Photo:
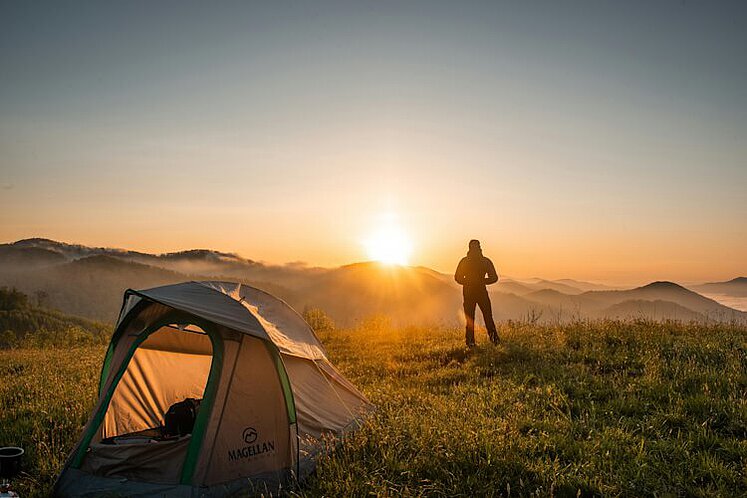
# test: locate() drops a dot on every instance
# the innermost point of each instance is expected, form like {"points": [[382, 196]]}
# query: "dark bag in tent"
{"points": [[180, 417]]}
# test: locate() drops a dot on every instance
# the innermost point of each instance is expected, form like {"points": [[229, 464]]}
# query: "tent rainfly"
{"points": [[265, 398]]}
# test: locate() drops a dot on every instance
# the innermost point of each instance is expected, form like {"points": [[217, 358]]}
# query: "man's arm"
{"points": [[492, 274], [459, 273]]}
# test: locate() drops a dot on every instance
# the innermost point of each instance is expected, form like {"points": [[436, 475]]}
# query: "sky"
{"points": [[594, 140]]}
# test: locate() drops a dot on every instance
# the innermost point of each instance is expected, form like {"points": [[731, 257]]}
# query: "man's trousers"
{"points": [[471, 300]]}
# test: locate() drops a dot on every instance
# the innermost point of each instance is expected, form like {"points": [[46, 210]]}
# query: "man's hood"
{"points": [[474, 253]]}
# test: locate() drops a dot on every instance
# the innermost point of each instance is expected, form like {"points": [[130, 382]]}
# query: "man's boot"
{"points": [[469, 337]]}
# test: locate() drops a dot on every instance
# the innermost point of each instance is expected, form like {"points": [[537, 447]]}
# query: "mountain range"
{"points": [[89, 282]]}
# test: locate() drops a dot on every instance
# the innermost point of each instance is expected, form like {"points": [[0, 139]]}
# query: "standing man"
{"points": [[474, 273]]}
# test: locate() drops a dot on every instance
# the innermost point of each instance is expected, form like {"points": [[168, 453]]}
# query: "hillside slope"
{"points": [[22, 322], [656, 310], [91, 286], [353, 292]]}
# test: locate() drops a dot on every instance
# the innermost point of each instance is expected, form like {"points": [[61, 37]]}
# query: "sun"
{"points": [[389, 244]]}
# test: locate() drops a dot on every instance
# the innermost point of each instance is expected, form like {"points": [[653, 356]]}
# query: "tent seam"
{"points": [[288, 306]]}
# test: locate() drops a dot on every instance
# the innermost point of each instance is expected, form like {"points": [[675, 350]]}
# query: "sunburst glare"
{"points": [[389, 243]]}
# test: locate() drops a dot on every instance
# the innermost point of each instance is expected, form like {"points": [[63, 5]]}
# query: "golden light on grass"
{"points": [[389, 243]]}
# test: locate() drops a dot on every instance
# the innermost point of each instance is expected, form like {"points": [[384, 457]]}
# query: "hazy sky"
{"points": [[599, 140]]}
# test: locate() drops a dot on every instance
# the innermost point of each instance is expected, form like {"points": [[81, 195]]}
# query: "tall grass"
{"points": [[596, 409], [46, 396], [604, 408]]}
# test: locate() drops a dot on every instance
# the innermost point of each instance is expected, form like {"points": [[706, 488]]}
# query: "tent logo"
{"points": [[249, 435], [252, 447]]}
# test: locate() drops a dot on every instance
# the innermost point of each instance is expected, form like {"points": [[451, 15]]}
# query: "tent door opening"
{"points": [[169, 367], [147, 428]]}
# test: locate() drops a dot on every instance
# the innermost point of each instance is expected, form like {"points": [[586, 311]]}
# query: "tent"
{"points": [[271, 401]]}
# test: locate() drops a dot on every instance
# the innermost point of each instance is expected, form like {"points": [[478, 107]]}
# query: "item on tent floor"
{"points": [[180, 418], [10, 465], [139, 437], [270, 402]]}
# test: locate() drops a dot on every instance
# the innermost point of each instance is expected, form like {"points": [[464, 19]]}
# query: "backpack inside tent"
{"points": [[209, 389]]}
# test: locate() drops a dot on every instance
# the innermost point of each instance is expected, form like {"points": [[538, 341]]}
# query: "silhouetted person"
{"points": [[475, 272]]}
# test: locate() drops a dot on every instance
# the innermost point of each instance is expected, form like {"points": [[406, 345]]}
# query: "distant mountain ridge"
{"points": [[89, 281], [198, 262], [671, 292], [77, 251], [736, 287]]}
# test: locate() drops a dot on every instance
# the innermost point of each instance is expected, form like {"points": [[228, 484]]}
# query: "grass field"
{"points": [[606, 408]]}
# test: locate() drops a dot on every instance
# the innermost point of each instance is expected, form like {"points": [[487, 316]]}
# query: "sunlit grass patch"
{"points": [[596, 408]]}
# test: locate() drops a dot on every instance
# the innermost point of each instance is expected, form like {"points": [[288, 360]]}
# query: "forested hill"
{"points": [[24, 324]]}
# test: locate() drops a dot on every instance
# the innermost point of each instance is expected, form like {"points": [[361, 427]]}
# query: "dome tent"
{"points": [[270, 398]]}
